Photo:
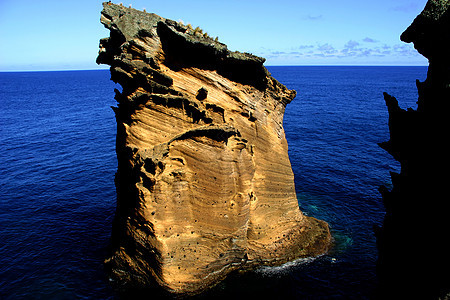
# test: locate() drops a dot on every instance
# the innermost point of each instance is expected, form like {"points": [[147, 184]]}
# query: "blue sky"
{"points": [[64, 35]]}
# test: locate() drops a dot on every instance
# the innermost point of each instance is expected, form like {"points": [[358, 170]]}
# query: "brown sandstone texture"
{"points": [[204, 181], [414, 240]]}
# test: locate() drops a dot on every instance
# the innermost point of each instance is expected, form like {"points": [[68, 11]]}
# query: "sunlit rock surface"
{"points": [[204, 181]]}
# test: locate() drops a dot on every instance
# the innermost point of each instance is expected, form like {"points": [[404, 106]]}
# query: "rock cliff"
{"points": [[413, 242], [204, 181]]}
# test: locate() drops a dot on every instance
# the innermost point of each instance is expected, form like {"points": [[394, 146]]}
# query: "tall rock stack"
{"points": [[413, 243], [204, 182]]}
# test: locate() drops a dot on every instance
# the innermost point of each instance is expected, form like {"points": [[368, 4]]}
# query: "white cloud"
{"points": [[326, 49], [369, 40], [313, 17], [353, 52]]}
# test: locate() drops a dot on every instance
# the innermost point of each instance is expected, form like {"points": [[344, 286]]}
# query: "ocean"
{"points": [[57, 194]]}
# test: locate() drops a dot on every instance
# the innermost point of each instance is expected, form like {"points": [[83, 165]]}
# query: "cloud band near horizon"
{"points": [[352, 52]]}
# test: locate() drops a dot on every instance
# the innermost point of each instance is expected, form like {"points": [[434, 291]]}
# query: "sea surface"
{"points": [[57, 194]]}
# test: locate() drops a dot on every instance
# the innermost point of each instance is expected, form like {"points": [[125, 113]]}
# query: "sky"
{"points": [[64, 35]]}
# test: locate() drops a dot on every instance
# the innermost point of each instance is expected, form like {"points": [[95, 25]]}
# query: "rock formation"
{"points": [[204, 181], [413, 242]]}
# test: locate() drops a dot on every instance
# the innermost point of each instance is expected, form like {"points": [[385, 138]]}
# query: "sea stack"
{"points": [[204, 182], [414, 240]]}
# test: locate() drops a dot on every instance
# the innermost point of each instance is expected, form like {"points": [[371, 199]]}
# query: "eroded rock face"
{"points": [[413, 242], [204, 182]]}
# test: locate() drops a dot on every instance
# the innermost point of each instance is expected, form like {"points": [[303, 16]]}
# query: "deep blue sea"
{"points": [[57, 194]]}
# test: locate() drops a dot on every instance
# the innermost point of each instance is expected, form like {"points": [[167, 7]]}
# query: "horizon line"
{"points": [[305, 65]]}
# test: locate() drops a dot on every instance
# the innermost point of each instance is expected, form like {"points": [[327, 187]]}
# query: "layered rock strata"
{"points": [[204, 181], [414, 240]]}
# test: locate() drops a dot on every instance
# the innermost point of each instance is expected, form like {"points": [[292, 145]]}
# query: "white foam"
{"points": [[284, 268]]}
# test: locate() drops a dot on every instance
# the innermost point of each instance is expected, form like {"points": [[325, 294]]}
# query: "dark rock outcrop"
{"points": [[204, 182], [413, 242]]}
